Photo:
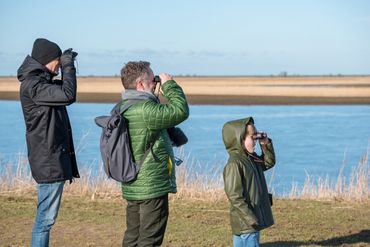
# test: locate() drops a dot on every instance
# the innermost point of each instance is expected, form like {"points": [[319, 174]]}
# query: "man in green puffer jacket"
{"points": [[148, 121], [244, 180]]}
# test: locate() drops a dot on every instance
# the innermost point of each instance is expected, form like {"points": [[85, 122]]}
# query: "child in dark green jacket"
{"points": [[244, 180]]}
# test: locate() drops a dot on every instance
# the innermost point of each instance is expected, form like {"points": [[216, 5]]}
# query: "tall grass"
{"points": [[356, 187], [198, 181], [17, 179], [195, 181], [192, 182]]}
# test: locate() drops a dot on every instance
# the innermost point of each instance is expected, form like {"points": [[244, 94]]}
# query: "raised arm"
{"points": [[61, 92], [268, 154], [163, 116]]}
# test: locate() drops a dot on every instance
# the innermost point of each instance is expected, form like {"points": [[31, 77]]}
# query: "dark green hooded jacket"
{"points": [[244, 181]]}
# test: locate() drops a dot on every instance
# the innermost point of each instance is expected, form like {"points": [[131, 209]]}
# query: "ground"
{"points": [[84, 222]]}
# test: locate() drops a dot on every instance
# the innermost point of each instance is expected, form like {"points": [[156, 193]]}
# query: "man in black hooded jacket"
{"points": [[48, 130]]}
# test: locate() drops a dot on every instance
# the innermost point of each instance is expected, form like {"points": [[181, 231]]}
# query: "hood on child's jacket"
{"points": [[233, 134]]}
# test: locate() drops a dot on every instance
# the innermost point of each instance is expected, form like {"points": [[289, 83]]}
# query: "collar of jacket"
{"points": [[254, 157], [130, 94]]}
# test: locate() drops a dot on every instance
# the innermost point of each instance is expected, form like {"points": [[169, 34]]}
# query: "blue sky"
{"points": [[209, 37]]}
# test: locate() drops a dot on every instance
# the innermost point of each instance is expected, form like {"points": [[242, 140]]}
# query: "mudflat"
{"points": [[229, 90]]}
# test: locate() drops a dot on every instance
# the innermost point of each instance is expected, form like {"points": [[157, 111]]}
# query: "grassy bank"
{"points": [[323, 212], [83, 222]]}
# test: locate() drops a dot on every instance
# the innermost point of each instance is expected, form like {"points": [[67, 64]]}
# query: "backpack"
{"points": [[115, 146]]}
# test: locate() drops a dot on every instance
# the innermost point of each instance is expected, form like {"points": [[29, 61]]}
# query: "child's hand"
{"points": [[264, 140]]}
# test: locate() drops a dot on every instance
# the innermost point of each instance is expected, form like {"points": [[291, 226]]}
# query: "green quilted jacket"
{"points": [[244, 181], [146, 121]]}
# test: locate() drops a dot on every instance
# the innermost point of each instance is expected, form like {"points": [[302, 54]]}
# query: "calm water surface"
{"points": [[313, 140]]}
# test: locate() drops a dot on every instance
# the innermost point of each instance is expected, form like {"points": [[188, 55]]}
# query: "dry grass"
{"points": [[195, 182], [191, 184], [352, 188]]}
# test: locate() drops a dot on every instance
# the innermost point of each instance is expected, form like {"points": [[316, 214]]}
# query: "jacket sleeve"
{"points": [[235, 193], [163, 116], [60, 93], [268, 155]]}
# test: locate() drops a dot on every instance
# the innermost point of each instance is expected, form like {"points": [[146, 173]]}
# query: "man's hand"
{"points": [[165, 77], [68, 58]]}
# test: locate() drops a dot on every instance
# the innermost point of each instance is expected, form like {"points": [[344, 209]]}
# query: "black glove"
{"points": [[67, 58]]}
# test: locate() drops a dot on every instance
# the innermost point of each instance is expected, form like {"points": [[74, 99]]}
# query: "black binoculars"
{"points": [[177, 136], [156, 79], [259, 135]]}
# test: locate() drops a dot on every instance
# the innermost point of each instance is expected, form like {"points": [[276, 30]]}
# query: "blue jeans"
{"points": [[247, 240], [49, 197]]}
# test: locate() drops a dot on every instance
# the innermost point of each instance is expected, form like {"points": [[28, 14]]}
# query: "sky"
{"points": [[194, 37]]}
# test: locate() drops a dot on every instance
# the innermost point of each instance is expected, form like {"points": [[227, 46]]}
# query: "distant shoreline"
{"points": [[231, 90], [222, 99]]}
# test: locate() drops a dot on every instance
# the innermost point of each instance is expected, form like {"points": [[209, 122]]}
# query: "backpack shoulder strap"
{"points": [[126, 106], [150, 149], [117, 108]]}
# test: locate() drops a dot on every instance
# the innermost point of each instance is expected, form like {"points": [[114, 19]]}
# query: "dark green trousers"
{"points": [[146, 222]]}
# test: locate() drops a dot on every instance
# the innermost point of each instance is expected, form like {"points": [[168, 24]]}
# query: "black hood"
{"points": [[30, 67]]}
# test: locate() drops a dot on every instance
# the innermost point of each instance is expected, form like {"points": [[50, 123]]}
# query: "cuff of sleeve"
{"points": [[168, 84], [267, 145]]}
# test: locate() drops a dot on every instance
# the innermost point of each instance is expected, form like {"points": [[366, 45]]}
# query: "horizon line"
{"points": [[241, 75]]}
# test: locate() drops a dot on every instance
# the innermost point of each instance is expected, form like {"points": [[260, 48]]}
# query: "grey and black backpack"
{"points": [[115, 145]]}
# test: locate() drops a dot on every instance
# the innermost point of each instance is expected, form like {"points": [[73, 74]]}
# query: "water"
{"points": [[311, 140]]}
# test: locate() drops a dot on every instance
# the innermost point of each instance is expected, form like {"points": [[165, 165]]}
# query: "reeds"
{"points": [[356, 187], [195, 181], [17, 179], [191, 183], [199, 182]]}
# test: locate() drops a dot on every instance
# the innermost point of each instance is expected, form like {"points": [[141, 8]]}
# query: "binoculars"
{"points": [[177, 136], [156, 79], [259, 135]]}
